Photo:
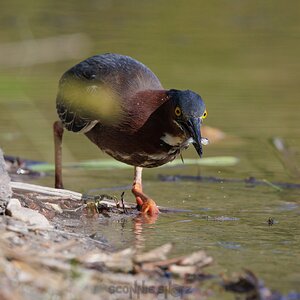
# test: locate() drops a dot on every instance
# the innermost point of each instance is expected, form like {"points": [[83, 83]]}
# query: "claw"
{"points": [[149, 207], [145, 204]]}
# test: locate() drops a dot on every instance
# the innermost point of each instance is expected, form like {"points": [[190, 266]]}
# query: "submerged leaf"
{"points": [[217, 161]]}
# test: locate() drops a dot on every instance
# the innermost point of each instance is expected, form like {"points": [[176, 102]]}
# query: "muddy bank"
{"points": [[42, 261]]}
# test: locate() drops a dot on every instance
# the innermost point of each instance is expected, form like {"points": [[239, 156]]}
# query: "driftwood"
{"points": [[17, 186]]}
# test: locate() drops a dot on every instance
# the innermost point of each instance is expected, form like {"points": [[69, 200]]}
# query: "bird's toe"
{"points": [[149, 207]]}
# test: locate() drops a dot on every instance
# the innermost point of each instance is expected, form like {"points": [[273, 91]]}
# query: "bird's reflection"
{"points": [[139, 223]]}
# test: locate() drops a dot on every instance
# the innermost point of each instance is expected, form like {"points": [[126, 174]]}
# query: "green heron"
{"points": [[121, 106]]}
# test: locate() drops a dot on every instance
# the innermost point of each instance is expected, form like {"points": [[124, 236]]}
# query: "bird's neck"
{"points": [[143, 104], [159, 118], [153, 98]]}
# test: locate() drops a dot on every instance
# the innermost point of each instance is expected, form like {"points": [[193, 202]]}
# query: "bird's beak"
{"points": [[193, 127]]}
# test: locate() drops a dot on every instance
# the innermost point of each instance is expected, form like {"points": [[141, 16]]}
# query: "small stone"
{"points": [[30, 216]]}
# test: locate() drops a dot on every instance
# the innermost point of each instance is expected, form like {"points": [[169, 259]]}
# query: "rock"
{"points": [[159, 253], [30, 216], [5, 189], [121, 261], [199, 258]]}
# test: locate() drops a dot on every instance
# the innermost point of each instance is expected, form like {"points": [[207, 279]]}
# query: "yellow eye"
{"points": [[177, 111], [204, 115]]}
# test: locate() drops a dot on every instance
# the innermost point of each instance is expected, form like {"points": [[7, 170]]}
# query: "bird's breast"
{"points": [[148, 148], [173, 140]]}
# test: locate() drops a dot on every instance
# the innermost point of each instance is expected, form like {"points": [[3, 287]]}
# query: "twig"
{"points": [[287, 156], [277, 188], [122, 201]]}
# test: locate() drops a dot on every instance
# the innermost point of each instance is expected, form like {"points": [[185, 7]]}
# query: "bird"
{"points": [[120, 105]]}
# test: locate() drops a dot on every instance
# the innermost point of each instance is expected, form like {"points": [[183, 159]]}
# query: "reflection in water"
{"points": [[130, 229], [138, 223], [139, 239]]}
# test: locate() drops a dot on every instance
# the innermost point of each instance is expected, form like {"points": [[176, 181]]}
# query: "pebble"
{"points": [[30, 216]]}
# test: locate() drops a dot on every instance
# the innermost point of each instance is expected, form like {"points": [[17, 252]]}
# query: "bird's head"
{"points": [[188, 112]]}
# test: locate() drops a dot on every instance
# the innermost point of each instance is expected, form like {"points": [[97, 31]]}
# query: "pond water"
{"points": [[241, 56]]}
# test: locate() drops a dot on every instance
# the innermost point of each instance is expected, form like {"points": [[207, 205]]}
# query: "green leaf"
{"points": [[217, 161]]}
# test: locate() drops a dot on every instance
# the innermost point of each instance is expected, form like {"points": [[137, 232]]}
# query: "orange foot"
{"points": [[148, 207], [145, 204]]}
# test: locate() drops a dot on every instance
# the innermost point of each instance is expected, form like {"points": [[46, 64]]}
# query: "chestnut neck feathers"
{"points": [[142, 107]]}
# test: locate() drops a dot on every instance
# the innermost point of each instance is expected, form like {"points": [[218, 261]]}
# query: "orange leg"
{"points": [[145, 204], [58, 131]]}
